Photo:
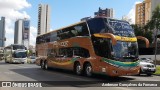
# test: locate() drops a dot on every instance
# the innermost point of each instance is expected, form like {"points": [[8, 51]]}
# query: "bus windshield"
{"points": [[122, 51], [120, 28], [15, 47], [125, 51], [20, 55]]}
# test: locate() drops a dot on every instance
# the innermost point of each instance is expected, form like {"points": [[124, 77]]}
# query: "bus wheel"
{"points": [[42, 64], [78, 69], [88, 70], [46, 65]]}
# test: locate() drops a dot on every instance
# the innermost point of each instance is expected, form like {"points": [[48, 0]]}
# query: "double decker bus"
{"points": [[98, 45], [1, 53], [15, 53]]}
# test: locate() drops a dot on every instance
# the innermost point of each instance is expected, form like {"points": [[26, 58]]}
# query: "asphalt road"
{"points": [[32, 72]]}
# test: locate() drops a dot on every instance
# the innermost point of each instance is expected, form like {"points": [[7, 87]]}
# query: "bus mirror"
{"points": [[107, 35], [145, 39]]}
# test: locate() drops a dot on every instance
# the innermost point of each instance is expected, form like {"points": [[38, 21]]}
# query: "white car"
{"points": [[32, 59], [146, 60], [147, 68]]}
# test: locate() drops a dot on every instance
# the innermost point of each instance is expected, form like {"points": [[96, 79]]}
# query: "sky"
{"points": [[63, 12]]}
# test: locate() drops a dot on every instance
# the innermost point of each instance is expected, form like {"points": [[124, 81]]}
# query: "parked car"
{"points": [[32, 59], [147, 68], [146, 60], [1, 56]]}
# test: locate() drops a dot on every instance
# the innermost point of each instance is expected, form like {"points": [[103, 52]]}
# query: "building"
{"points": [[144, 11], [2, 32], [22, 32], [106, 12], [43, 19]]}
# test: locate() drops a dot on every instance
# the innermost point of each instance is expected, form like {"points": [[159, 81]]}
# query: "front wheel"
{"points": [[88, 70], [46, 65]]}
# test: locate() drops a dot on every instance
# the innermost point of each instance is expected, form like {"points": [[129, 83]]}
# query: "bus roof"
{"points": [[62, 28], [78, 23], [14, 45]]}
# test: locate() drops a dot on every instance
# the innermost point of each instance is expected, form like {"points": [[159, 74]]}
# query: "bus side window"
{"points": [[81, 29], [82, 52], [51, 53]]}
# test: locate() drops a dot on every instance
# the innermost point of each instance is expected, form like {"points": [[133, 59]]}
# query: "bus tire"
{"points": [[77, 68], [45, 65], [88, 70], [42, 64]]}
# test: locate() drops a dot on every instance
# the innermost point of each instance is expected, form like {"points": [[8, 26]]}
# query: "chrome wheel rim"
{"points": [[88, 71], [42, 66], [78, 69], [46, 66]]}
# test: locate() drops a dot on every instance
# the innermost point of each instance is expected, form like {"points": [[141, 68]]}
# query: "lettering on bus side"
{"points": [[64, 44]]}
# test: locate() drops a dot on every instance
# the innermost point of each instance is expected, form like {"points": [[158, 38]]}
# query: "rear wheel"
{"points": [[78, 69], [88, 70], [42, 64]]}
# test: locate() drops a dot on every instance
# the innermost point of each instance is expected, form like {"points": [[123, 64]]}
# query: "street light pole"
{"points": [[156, 47], [157, 27]]}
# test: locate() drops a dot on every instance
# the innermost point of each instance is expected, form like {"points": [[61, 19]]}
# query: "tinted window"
{"points": [[102, 47], [40, 39], [121, 28], [47, 37], [73, 31], [19, 54], [15, 47], [82, 52], [53, 36], [96, 25], [69, 52]]}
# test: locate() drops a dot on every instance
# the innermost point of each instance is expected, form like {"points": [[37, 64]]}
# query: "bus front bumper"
{"points": [[19, 60], [115, 71]]}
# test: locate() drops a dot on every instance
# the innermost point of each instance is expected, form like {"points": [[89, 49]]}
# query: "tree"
{"points": [[140, 31], [154, 23]]}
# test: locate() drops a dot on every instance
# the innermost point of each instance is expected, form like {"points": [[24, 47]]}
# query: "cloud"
{"points": [[12, 10], [131, 15], [14, 4], [33, 34]]}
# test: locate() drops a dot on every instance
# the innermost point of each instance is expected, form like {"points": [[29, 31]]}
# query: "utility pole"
{"points": [[156, 47], [157, 28]]}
